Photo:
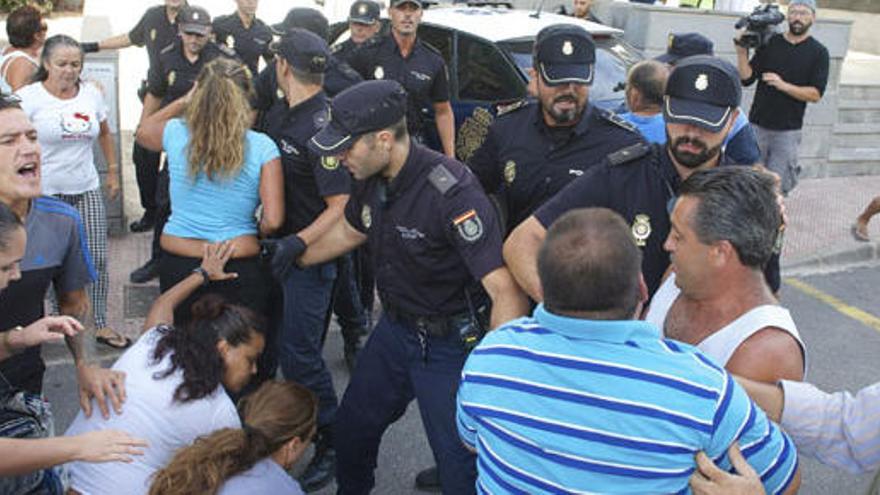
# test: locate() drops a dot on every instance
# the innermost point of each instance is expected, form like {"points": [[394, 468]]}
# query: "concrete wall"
{"points": [[647, 28], [855, 5]]}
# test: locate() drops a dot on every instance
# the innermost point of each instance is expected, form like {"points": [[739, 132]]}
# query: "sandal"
{"points": [[115, 340], [859, 234]]}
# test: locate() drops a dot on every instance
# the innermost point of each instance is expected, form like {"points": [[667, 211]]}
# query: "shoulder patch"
{"points": [[510, 107], [629, 153], [441, 178], [617, 120]]}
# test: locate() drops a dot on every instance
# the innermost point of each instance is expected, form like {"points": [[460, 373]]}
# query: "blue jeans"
{"points": [[307, 295], [391, 371]]}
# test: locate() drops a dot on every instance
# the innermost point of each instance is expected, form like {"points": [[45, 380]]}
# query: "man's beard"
{"points": [[798, 28], [565, 116], [688, 159]]}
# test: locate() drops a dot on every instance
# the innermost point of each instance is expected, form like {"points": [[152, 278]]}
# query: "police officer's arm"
{"points": [[115, 42], [444, 119], [325, 221], [521, 255], [339, 239]]}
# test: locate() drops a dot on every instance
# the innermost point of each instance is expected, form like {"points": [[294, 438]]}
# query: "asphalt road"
{"points": [[842, 354]]}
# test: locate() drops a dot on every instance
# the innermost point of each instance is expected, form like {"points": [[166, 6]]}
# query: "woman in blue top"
{"points": [[220, 172]]}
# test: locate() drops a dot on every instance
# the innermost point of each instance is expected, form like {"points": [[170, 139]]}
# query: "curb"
{"points": [[865, 253]]}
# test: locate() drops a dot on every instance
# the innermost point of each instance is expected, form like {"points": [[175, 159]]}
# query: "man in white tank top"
{"points": [[724, 228]]}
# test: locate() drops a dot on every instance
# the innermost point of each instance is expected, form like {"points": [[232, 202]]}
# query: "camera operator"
{"points": [[792, 70]]}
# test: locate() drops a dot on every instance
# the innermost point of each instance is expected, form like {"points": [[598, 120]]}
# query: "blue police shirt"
{"points": [[563, 405], [422, 74], [527, 162], [432, 233], [308, 178]]}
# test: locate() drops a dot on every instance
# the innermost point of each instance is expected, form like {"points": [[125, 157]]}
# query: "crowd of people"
{"points": [[553, 305]]}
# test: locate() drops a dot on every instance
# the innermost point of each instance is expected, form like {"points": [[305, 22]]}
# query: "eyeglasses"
{"points": [[800, 12]]}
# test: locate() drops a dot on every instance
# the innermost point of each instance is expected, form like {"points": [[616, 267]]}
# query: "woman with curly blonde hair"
{"points": [[220, 172], [278, 423]]}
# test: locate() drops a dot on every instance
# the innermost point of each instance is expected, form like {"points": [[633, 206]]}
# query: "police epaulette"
{"points": [[167, 48], [225, 50], [618, 120], [510, 107], [441, 178], [628, 154]]}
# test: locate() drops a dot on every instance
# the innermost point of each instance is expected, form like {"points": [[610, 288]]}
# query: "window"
{"points": [[484, 74]]}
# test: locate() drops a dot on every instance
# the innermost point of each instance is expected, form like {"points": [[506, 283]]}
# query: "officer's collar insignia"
{"points": [[152, 35], [230, 41], [329, 163], [362, 9], [172, 76], [320, 118], [469, 226], [366, 216], [379, 72], [196, 16], [641, 229], [567, 48], [279, 94], [288, 148], [509, 171], [670, 41], [702, 82]]}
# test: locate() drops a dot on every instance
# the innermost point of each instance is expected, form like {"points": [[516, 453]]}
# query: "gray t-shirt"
{"points": [[265, 477]]}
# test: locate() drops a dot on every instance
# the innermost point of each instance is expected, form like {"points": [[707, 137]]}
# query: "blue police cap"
{"points": [[703, 91], [194, 20], [681, 45], [365, 107], [364, 12], [304, 18], [303, 50], [565, 53]]}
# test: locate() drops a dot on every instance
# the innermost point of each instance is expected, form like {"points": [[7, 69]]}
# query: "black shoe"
{"points": [[147, 272], [428, 480], [321, 470], [143, 224]]}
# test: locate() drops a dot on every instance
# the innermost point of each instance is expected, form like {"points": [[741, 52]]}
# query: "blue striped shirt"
{"points": [[560, 405]]}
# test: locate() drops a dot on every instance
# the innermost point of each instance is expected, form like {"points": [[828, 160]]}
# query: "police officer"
{"points": [[363, 24], [640, 182], [401, 56], [170, 78], [156, 29], [315, 192], [242, 32], [435, 240], [534, 150]]}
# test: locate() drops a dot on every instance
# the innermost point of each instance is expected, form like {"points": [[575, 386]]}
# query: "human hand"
{"points": [[282, 254], [708, 479], [214, 260], [112, 184], [48, 329], [102, 384], [108, 446], [773, 79]]}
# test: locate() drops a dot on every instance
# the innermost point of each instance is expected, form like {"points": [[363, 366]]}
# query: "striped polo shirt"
{"points": [[561, 405]]}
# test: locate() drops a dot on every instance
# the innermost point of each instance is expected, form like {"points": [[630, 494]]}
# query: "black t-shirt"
{"points": [[308, 178], [249, 43], [154, 31], [803, 64]]}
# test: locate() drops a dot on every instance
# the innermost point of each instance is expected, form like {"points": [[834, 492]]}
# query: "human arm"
{"points": [[22, 456], [105, 139], [115, 42], [444, 120], [746, 73], [768, 396], [521, 256], [44, 330], [808, 94], [151, 129], [768, 355], [339, 239], [508, 300], [271, 196], [213, 262], [20, 72]]}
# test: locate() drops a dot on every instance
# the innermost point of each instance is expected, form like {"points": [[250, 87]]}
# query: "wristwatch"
{"points": [[204, 273]]}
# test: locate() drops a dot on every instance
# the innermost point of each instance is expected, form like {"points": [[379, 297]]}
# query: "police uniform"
{"points": [[423, 74], [175, 75], [344, 51], [527, 162], [249, 43], [433, 235]]}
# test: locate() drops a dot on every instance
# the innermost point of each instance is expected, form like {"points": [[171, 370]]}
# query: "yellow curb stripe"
{"points": [[857, 314]]}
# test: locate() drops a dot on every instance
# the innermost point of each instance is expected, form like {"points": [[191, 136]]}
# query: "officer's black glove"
{"points": [[90, 47], [282, 254]]}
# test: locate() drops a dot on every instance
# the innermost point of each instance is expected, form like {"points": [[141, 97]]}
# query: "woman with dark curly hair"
{"points": [[177, 379], [278, 424]]}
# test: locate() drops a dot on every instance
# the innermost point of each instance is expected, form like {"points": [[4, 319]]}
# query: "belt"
{"points": [[433, 325]]}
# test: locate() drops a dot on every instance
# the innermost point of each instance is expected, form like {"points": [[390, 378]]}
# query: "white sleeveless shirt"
{"points": [[721, 345], [6, 61]]}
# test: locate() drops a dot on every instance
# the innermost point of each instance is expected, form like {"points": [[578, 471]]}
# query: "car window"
{"points": [[484, 74]]}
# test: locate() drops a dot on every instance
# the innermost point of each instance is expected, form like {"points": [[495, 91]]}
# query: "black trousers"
{"points": [[146, 168], [163, 210]]}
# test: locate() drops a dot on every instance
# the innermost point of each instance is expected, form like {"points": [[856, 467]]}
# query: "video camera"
{"points": [[759, 24]]}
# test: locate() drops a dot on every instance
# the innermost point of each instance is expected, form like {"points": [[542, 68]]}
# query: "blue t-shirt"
{"points": [[213, 209], [653, 128], [265, 477]]}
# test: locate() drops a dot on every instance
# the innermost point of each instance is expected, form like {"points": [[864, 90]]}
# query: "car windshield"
{"points": [[613, 59]]}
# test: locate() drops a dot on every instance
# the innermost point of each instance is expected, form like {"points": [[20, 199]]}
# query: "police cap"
{"points": [[304, 18], [565, 53], [703, 91], [364, 12], [194, 20], [365, 107], [398, 3], [303, 50], [682, 45]]}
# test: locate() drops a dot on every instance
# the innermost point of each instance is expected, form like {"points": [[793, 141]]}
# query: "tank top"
{"points": [[5, 61]]}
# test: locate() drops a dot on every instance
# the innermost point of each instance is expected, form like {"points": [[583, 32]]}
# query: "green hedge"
{"points": [[7, 6]]}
